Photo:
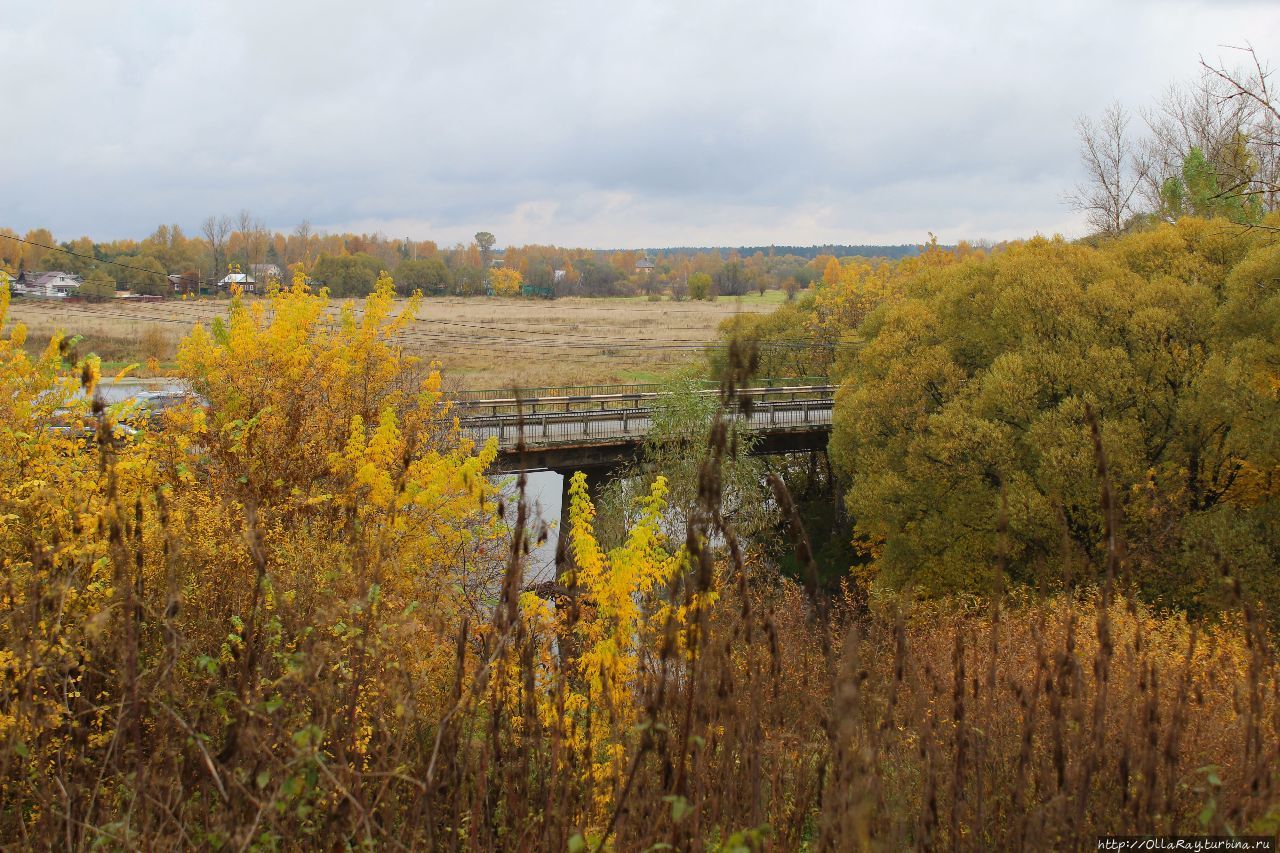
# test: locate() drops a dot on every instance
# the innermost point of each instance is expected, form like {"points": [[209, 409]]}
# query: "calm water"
{"points": [[543, 492], [126, 389]]}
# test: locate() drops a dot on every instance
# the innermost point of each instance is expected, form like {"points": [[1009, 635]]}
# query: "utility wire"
{"points": [[567, 335], [86, 257], [566, 341]]}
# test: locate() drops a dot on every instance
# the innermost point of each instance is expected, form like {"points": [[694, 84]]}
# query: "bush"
{"points": [[700, 286], [295, 617], [155, 345]]}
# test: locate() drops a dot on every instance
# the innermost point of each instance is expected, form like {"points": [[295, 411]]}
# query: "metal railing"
{"points": [[573, 427], [485, 395], [633, 397]]}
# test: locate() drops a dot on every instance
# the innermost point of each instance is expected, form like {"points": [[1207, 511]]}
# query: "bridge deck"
{"points": [[561, 433]]}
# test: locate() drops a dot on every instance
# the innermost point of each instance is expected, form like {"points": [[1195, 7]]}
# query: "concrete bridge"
{"points": [[598, 429]]}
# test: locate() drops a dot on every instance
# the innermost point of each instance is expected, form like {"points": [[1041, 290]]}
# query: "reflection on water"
{"points": [[543, 491], [114, 391]]}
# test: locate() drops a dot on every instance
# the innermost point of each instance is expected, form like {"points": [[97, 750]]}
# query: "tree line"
{"points": [[349, 264]]}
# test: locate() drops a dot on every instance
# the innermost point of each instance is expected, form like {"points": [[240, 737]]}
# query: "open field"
{"points": [[480, 342]]}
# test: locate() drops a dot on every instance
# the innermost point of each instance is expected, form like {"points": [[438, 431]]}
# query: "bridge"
{"points": [[597, 429]]}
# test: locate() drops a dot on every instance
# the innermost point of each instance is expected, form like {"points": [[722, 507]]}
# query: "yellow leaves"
{"points": [[831, 272], [344, 441], [625, 614], [317, 483], [372, 458], [505, 281], [387, 443], [1255, 485]]}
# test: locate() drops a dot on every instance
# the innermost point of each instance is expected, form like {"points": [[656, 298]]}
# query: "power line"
{"points": [[487, 328], [82, 255], [622, 345], [500, 344]]}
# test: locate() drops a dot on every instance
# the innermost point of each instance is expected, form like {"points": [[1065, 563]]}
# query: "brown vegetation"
{"points": [[491, 343], [275, 625]]}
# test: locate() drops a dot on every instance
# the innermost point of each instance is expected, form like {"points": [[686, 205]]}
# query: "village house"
{"points": [[246, 282], [265, 272], [644, 266], [52, 284]]}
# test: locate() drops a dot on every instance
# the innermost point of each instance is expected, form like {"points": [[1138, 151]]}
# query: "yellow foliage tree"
{"points": [[311, 526], [831, 272], [623, 614], [505, 281]]}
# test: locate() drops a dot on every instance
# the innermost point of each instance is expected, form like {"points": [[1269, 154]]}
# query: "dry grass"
{"points": [[773, 717], [512, 342], [481, 343]]}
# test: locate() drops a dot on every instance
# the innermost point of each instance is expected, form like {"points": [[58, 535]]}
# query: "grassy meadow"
{"points": [[479, 342]]}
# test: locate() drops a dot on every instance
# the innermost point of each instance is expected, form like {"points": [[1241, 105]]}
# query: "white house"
{"points": [[47, 285], [247, 282], [265, 272]]}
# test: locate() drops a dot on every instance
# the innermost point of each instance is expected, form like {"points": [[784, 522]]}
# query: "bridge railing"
{"points": [[551, 428], [575, 391], [633, 397]]}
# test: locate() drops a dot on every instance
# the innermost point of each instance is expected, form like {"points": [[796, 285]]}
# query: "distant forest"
{"points": [[171, 262], [892, 253]]}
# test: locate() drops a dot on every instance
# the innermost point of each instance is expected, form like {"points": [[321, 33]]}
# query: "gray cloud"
{"points": [[579, 122]]}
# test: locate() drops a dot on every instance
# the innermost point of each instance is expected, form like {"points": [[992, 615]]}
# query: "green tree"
{"points": [[429, 275], [98, 286], [971, 390], [732, 279], [675, 447], [347, 275], [485, 241], [143, 274], [467, 280], [599, 278], [700, 286], [1198, 191]]}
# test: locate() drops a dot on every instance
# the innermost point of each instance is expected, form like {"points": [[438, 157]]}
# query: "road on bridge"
{"points": [[568, 431]]}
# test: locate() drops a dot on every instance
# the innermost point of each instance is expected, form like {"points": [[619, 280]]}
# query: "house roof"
{"points": [[237, 278], [36, 278]]}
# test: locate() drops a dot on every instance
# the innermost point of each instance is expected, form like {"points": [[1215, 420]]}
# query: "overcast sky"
{"points": [[606, 124]]}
